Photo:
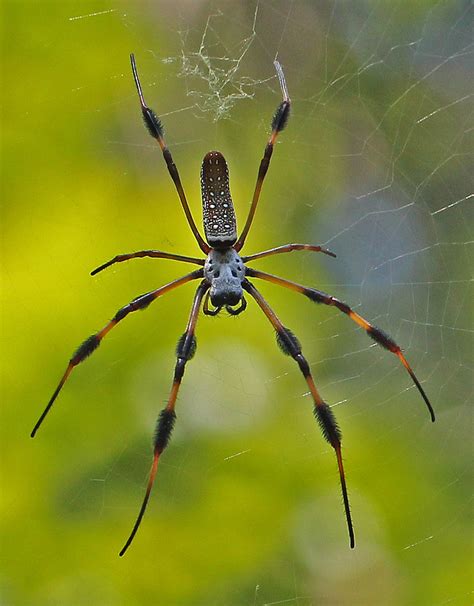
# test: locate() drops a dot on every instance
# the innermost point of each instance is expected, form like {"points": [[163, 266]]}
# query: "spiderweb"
{"points": [[214, 81], [375, 165]]}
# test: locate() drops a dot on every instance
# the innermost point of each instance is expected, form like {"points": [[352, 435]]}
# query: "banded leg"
{"points": [[290, 346], [156, 254], [279, 122], [286, 248], [155, 128], [93, 342], [377, 334], [185, 350]]}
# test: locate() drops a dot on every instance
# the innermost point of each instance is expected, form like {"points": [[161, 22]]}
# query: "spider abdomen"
{"points": [[217, 208]]}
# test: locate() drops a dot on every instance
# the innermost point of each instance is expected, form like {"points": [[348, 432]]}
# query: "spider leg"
{"points": [[157, 254], [377, 334], [155, 128], [278, 124], [185, 350], [290, 345], [93, 342], [285, 249]]}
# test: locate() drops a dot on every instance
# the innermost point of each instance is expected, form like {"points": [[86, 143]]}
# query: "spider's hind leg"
{"points": [[279, 122]]}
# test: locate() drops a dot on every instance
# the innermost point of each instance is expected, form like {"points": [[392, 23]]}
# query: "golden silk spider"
{"points": [[224, 276]]}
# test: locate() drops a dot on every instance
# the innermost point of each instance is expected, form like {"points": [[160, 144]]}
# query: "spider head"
{"points": [[224, 270]]}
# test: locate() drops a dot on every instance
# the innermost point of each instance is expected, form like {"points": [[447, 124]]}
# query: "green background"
{"points": [[374, 164]]}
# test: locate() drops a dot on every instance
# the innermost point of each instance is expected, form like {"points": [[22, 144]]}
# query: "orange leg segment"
{"points": [[93, 342], [377, 334], [290, 345], [184, 352]]}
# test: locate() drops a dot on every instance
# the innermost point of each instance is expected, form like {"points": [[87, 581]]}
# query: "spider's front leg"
{"points": [[93, 342], [377, 334], [290, 345], [184, 352]]}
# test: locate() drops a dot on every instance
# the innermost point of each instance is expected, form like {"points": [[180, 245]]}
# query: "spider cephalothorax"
{"points": [[225, 272], [224, 276]]}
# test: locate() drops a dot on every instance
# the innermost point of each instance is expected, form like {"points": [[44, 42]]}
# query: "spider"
{"points": [[224, 278]]}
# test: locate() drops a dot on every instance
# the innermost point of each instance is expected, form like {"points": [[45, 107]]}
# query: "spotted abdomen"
{"points": [[217, 208]]}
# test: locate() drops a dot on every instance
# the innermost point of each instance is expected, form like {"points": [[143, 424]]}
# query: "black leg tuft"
{"points": [[327, 422], [164, 427], [186, 347], [288, 342], [280, 119], [152, 123], [85, 349], [382, 338]]}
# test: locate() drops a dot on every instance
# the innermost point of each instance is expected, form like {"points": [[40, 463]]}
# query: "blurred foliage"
{"points": [[246, 508]]}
